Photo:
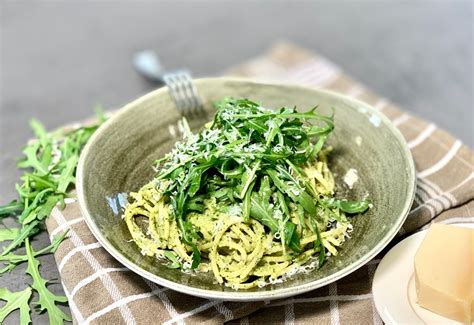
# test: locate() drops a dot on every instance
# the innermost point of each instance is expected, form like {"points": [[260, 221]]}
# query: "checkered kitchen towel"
{"points": [[100, 290]]}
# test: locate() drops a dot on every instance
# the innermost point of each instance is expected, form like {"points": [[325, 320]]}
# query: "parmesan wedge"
{"points": [[444, 272]]}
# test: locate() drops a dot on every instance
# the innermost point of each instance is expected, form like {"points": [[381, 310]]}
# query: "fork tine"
{"points": [[193, 95], [172, 83], [184, 80], [183, 92]]}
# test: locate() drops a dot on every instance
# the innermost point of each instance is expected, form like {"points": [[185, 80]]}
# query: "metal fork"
{"points": [[179, 82]]}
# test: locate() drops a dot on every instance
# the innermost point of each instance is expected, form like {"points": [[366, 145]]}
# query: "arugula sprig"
{"points": [[50, 162], [47, 300], [52, 159], [16, 300], [248, 156]]}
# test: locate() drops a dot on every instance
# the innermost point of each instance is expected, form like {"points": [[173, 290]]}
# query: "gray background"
{"points": [[60, 59]]}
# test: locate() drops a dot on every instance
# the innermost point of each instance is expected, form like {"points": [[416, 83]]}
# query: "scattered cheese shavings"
{"points": [[351, 177]]}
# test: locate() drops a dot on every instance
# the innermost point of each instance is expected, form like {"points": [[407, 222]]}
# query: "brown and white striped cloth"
{"points": [[101, 290]]}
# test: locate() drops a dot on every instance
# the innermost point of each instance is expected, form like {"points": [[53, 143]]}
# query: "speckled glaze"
{"points": [[119, 157]]}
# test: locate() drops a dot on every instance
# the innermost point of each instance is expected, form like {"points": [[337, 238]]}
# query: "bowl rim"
{"points": [[246, 295]]}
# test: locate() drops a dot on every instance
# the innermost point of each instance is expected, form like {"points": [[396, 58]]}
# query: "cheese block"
{"points": [[444, 273]]}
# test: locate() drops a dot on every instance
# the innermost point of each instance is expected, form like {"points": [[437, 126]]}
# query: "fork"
{"points": [[180, 84]]}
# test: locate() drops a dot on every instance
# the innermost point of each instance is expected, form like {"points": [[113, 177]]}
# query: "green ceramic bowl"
{"points": [[119, 157]]}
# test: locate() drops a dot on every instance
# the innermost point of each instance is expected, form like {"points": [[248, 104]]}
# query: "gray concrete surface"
{"points": [[59, 59]]}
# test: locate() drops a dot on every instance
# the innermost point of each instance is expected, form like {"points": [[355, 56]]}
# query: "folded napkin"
{"points": [[101, 290]]}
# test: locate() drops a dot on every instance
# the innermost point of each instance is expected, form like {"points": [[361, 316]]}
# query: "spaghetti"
{"points": [[245, 240]]}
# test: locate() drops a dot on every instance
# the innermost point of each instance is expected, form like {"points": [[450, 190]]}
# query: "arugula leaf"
{"points": [[196, 256], [174, 262], [354, 206], [31, 159], [347, 206], [247, 202], [67, 175], [196, 204], [262, 211], [300, 212], [47, 207], [292, 239], [297, 194], [247, 179], [40, 132], [47, 300], [11, 208], [25, 232], [283, 205], [16, 300], [194, 177], [13, 259], [8, 233], [319, 242], [25, 215]]}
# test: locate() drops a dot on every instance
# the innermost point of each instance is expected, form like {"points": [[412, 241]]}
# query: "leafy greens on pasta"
{"points": [[249, 198]]}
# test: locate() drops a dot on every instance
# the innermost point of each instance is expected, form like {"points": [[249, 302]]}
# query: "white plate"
{"points": [[393, 287]]}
